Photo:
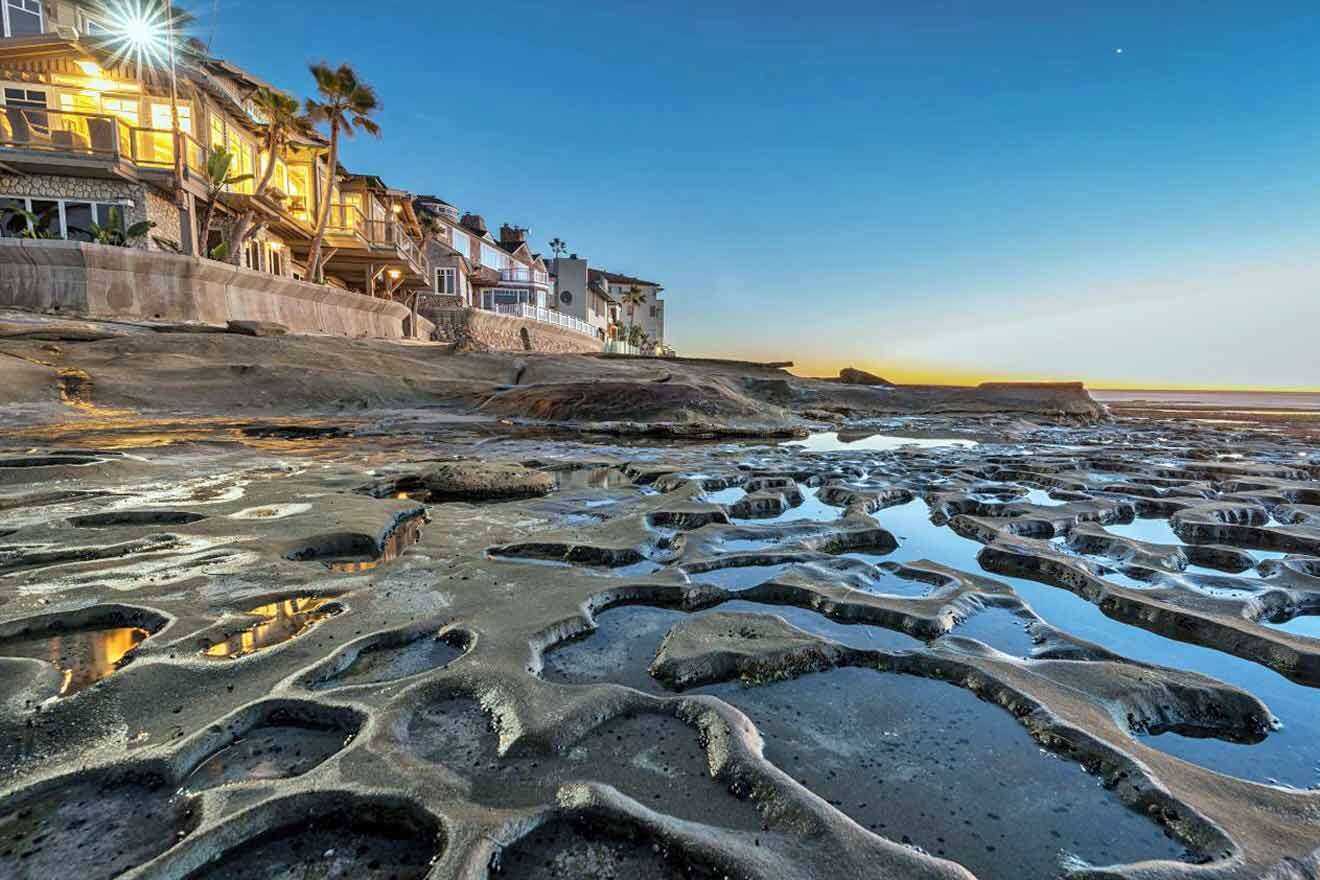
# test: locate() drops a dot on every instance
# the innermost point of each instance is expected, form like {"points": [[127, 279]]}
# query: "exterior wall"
{"points": [[165, 214], [571, 279], [443, 257], [652, 325], [475, 330], [75, 278]]}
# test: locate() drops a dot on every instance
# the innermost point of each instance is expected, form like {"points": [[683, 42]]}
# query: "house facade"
{"points": [[499, 273], [81, 135], [649, 314]]}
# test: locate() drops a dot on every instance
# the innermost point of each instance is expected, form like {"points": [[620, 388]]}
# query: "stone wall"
{"points": [[140, 203], [476, 330], [75, 278]]}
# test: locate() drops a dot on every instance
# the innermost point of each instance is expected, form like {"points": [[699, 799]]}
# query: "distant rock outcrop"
{"points": [[852, 376]]}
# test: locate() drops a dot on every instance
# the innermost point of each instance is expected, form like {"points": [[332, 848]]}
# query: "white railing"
{"points": [[546, 316], [618, 346], [523, 275]]}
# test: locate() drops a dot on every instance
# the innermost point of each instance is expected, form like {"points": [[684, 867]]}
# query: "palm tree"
{"points": [[346, 105], [632, 299], [557, 247], [284, 121], [218, 179]]}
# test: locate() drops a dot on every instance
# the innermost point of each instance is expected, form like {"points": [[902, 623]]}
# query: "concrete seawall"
{"points": [[76, 278]]}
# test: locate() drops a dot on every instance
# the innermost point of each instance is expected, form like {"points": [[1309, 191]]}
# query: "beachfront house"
{"points": [[476, 269], [81, 134], [649, 314]]}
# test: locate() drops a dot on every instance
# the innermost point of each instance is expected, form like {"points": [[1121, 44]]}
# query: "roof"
{"points": [[432, 199], [616, 278]]}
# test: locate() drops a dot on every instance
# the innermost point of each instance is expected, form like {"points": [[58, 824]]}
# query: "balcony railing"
{"points": [[96, 136], [524, 275], [618, 346], [547, 316], [347, 220], [391, 234]]}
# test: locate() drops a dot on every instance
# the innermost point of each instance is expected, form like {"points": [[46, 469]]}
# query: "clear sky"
{"points": [[930, 189]]}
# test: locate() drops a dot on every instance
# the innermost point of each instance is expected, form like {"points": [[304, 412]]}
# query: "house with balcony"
{"points": [[373, 240], [80, 135], [475, 269], [579, 293]]}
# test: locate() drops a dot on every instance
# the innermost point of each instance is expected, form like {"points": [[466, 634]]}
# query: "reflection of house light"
{"points": [[277, 245], [394, 273], [398, 209], [91, 68]]}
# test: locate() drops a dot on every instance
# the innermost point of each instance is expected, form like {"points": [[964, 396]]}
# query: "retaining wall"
{"points": [[477, 330], [76, 278]]}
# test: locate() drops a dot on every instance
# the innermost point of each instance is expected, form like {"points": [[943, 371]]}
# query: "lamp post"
{"points": [[135, 31], [180, 197]]}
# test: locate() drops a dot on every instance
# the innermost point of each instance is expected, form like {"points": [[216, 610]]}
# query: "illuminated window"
{"points": [[125, 108], [162, 118]]}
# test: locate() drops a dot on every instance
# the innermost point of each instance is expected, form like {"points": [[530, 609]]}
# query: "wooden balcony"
{"points": [[39, 141]]}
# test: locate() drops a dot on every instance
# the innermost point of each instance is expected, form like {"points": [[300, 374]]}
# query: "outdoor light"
{"points": [[91, 68], [394, 273]]}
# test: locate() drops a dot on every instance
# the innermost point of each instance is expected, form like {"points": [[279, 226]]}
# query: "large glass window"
{"points": [[492, 257], [59, 217], [78, 220], [22, 17]]}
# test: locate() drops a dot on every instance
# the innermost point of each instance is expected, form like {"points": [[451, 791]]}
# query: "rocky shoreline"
{"points": [[267, 603]]}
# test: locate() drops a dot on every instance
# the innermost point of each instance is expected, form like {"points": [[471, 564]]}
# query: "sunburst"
{"points": [[138, 32]]}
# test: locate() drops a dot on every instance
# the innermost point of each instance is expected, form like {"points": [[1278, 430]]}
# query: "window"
{"points": [[252, 255], [492, 257], [504, 296], [125, 108], [461, 243], [78, 220], [162, 117], [22, 17], [217, 131], [275, 259], [446, 281], [26, 106], [62, 217], [90, 26], [652, 311]]}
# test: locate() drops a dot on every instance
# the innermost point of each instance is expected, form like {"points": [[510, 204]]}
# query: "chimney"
{"points": [[474, 222], [513, 234]]}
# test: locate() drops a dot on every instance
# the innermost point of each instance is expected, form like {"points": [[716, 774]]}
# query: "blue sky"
{"points": [[930, 189]]}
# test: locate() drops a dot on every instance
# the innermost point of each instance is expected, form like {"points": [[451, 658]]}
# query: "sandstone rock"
{"points": [[257, 328], [851, 376], [483, 481], [56, 331]]}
